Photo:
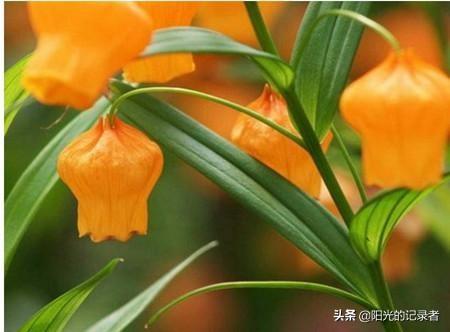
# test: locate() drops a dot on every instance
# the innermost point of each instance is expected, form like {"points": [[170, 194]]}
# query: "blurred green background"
{"points": [[187, 211]]}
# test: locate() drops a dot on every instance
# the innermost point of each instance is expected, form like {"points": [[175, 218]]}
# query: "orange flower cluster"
{"points": [[76, 57], [111, 171], [401, 110], [272, 148]]}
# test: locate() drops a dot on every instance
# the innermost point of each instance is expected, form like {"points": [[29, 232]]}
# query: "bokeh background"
{"points": [[188, 211]]}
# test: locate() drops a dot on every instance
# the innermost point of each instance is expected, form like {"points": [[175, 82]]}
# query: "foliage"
{"points": [[55, 315], [374, 223]]}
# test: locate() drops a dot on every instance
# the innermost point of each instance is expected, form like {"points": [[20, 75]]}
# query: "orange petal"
{"points": [[272, 148], [164, 67], [159, 68], [400, 109], [80, 46], [111, 172]]}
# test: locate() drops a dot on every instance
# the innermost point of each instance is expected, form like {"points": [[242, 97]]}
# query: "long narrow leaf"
{"points": [[291, 285], [291, 212], [55, 315], [37, 180], [198, 40], [373, 224], [122, 317], [14, 92], [322, 72]]}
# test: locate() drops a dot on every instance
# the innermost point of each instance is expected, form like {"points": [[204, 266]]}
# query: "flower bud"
{"points": [[400, 108], [274, 149], [111, 170]]}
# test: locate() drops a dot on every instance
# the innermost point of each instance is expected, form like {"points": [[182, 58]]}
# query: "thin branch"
{"points": [[282, 130]]}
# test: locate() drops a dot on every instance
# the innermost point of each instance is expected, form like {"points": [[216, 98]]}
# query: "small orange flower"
{"points": [[76, 57], [400, 109], [272, 148], [111, 171], [164, 67], [80, 46]]}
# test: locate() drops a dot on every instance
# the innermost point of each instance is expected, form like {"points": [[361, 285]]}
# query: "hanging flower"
{"points": [[80, 46], [111, 171], [272, 148], [400, 109], [76, 57], [164, 67]]}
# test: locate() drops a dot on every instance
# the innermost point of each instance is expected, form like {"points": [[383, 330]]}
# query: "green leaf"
{"points": [[291, 285], [198, 40], [15, 95], [291, 212], [55, 315], [37, 180], [373, 224], [322, 72], [122, 317]]}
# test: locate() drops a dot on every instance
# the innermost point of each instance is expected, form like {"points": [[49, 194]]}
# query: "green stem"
{"points": [[282, 130], [351, 166], [308, 286], [263, 35], [383, 295], [378, 28], [315, 150]]}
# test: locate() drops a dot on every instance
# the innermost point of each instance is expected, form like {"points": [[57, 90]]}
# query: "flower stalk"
{"points": [[242, 109]]}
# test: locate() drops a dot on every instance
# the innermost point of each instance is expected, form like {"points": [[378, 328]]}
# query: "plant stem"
{"points": [[282, 130], [351, 166], [315, 150], [383, 295], [263, 35]]}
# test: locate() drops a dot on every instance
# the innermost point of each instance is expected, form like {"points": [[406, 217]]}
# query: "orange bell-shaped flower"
{"points": [[272, 148], [80, 46], [111, 171], [163, 67], [401, 110]]}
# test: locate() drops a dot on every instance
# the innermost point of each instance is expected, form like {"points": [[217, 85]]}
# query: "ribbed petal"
{"points": [[401, 110], [111, 172]]}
